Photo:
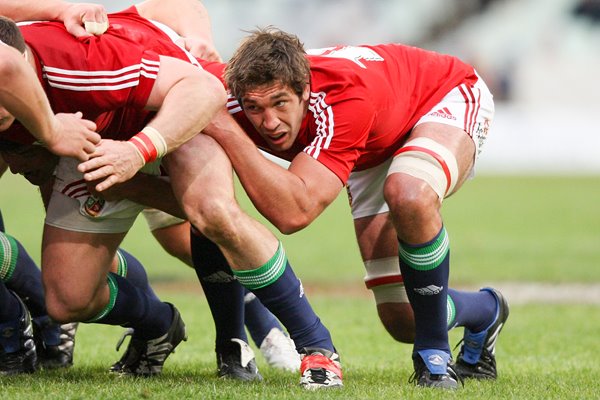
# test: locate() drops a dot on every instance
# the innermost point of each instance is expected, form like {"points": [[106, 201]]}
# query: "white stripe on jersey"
{"points": [[323, 115], [233, 106], [74, 72], [127, 77], [77, 80], [93, 88]]}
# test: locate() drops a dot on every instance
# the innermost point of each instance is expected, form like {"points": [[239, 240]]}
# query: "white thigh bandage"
{"points": [[428, 160], [157, 219], [384, 279]]}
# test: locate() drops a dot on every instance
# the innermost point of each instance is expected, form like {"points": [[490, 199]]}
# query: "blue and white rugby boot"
{"points": [[477, 356]]}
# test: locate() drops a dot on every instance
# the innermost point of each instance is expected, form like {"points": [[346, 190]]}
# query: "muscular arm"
{"points": [[72, 14], [186, 99], [189, 19], [23, 10], [290, 199], [186, 17], [22, 96]]}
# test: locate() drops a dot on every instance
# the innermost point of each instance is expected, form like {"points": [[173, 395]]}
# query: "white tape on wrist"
{"points": [[157, 140], [139, 153], [95, 28]]}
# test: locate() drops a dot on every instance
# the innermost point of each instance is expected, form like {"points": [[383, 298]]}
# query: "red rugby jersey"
{"points": [[100, 75], [364, 101]]}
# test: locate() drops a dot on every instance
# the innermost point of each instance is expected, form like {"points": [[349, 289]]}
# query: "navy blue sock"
{"points": [[425, 269], [132, 269], [471, 309], [26, 282], [10, 309], [223, 292], [278, 288], [259, 320], [21, 275], [130, 306]]}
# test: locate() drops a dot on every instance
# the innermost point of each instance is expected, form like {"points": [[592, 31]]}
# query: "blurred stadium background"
{"points": [[540, 58]]}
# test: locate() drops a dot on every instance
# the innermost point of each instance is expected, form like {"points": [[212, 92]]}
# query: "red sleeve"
{"points": [[341, 131]]}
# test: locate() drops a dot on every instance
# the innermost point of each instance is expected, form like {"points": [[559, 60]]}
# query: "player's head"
{"points": [[11, 35], [269, 74], [32, 161], [267, 56]]}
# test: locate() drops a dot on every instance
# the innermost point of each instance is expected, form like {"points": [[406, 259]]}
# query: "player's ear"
{"points": [[306, 92]]}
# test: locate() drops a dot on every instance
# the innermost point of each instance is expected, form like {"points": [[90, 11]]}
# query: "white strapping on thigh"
{"points": [[428, 160], [384, 279]]}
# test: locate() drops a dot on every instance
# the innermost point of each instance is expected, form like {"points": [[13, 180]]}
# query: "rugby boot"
{"points": [[434, 368], [55, 343], [279, 351], [146, 357], [477, 356], [320, 369], [238, 362], [17, 346]]}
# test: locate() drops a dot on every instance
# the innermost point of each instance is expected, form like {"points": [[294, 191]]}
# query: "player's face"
{"points": [[34, 162], [276, 112], [6, 119]]}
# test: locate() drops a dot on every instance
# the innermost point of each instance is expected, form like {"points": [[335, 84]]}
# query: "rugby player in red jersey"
{"points": [[133, 65], [401, 128]]}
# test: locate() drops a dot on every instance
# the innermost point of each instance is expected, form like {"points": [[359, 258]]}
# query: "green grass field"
{"points": [[503, 230]]}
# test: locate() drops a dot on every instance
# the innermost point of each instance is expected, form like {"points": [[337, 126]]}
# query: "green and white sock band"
{"points": [[266, 274], [113, 290], [121, 264], [9, 251], [451, 312], [427, 257]]}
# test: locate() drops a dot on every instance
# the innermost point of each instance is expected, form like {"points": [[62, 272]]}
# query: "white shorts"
{"points": [[467, 108], [73, 208], [157, 219]]}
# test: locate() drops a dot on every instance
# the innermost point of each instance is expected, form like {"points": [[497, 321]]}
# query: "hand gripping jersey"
{"points": [[365, 99], [107, 77]]}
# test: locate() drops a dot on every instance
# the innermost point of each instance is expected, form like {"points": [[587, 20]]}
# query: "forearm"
{"points": [[24, 10], [186, 17], [22, 95], [279, 195], [187, 106]]}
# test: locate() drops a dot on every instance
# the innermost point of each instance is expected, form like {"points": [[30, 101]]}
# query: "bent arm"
{"points": [[189, 19], [24, 10], [186, 99], [24, 98], [73, 15], [186, 17], [289, 198], [22, 95]]}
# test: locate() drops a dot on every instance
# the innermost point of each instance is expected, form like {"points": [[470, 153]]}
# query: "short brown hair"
{"points": [[267, 56], [11, 35]]}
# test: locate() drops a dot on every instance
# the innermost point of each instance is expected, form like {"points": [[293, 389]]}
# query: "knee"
{"points": [[412, 201], [65, 305], [398, 321], [217, 220], [409, 194]]}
